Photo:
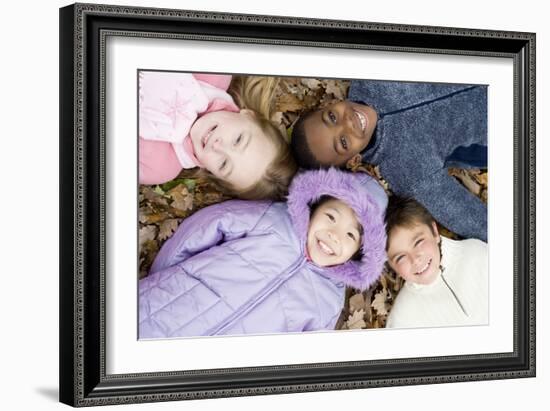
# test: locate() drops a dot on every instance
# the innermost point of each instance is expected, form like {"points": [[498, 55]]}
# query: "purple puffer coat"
{"points": [[239, 267]]}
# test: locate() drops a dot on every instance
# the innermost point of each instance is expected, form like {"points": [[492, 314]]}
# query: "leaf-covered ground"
{"points": [[163, 207]]}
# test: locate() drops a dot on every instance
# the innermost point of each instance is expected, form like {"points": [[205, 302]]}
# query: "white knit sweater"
{"points": [[459, 295]]}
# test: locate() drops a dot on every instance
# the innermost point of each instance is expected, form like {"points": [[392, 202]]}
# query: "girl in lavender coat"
{"points": [[243, 267]]}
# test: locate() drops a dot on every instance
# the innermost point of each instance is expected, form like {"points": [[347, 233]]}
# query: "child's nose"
{"points": [[218, 143], [350, 120], [333, 236]]}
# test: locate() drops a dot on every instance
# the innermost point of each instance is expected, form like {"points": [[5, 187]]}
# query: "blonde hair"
{"points": [[257, 94]]}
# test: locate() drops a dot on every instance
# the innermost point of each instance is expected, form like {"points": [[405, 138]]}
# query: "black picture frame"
{"points": [[83, 29]]}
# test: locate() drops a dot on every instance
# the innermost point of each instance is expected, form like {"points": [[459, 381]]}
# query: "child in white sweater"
{"points": [[446, 281]]}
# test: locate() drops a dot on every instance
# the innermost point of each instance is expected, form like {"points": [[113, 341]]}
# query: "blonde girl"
{"points": [[190, 120]]}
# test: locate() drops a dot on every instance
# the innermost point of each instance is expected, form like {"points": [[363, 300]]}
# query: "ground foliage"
{"points": [[163, 207]]}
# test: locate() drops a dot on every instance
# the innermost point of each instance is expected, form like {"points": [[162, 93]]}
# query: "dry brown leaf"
{"points": [[289, 102], [280, 121], [179, 189], [368, 317], [150, 195], [484, 196], [290, 85], [182, 202], [482, 178], [338, 88], [369, 311], [399, 284], [453, 171], [289, 119], [143, 213], [378, 323], [378, 175], [376, 170], [466, 179], [206, 194], [167, 228], [182, 199], [355, 165], [311, 83], [148, 253], [379, 303], [312, 100], [152, 217], [356, 303], [356, 321], [147, 233], [470, 183], [446, 233], [384, 282], [368, 297], [396, 281], [326, 100]]}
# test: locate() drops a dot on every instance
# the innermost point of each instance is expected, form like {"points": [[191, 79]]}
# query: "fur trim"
{"points": [[308, 186]]}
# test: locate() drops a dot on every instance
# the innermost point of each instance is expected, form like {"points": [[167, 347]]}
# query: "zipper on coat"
{"points": [[260, 296], [454, 294]]}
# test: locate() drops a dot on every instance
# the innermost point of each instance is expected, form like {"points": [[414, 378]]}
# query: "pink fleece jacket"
{"points": [[169, 104]]}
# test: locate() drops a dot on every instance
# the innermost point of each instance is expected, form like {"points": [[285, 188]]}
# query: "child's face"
{"points": [[334, 234], [413, 253], [232, 146], [339, 131]]}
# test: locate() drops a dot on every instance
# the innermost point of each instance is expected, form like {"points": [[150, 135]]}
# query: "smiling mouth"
{"points": [[325, 248], [206, 137], [425, 268], [362, 120]]}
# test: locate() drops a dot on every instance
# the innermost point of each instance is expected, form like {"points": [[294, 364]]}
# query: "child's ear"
{"points": [[354, 161], [247, 112], [436, 231]]}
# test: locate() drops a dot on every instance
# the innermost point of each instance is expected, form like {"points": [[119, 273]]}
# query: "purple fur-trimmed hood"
{"points": [[367, 200]]}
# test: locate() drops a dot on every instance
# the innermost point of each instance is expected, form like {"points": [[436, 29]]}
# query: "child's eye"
{"points": [[343, 142], [239, 139], [222, 165], [332, 116], [398, 259], [418, 242], [330, 216], [352, 236]]}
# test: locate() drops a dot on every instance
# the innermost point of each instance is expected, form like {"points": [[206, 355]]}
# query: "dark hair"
{"points": [[324, 199], [313, 206], [299, 145], [405, 212]]}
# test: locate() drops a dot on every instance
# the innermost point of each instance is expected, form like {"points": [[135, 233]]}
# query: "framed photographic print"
{"points": [[183, 277]]}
